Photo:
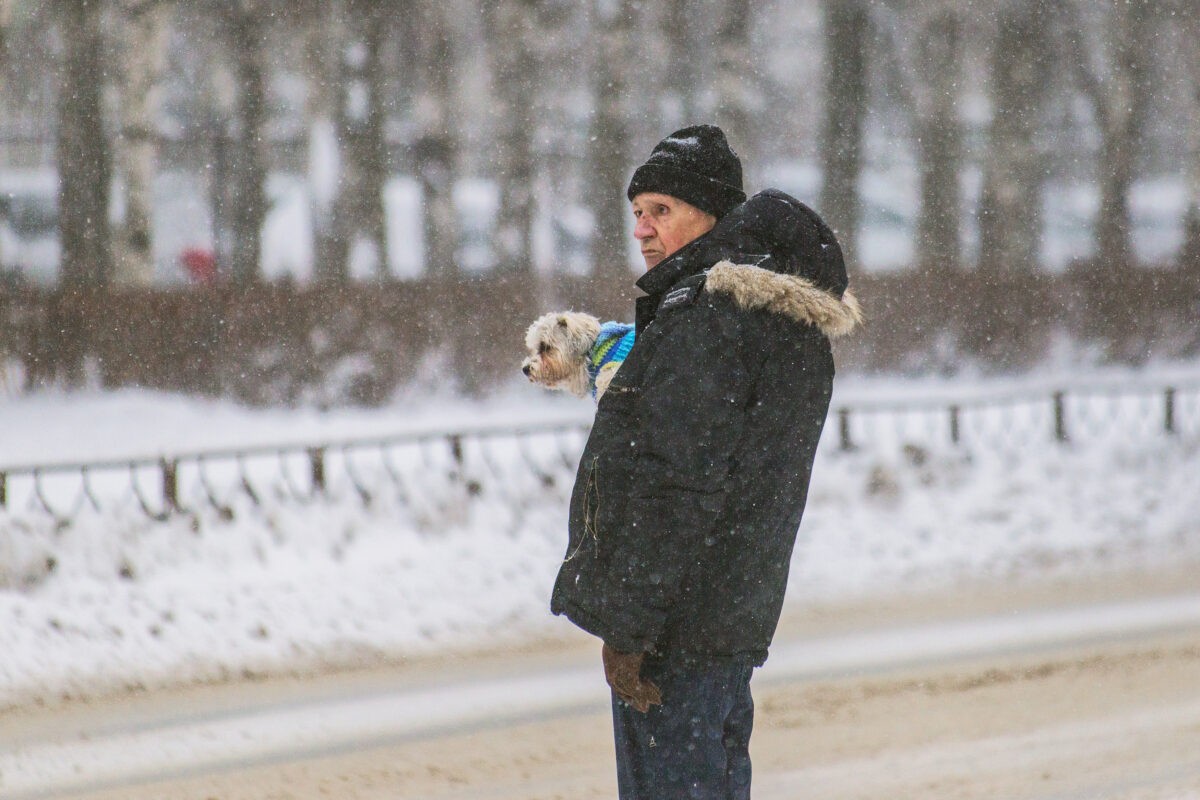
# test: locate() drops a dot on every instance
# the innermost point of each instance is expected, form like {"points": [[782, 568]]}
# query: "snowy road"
{"points": [[192, 741]]}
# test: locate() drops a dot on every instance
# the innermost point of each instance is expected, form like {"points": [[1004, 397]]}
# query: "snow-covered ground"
{"points": [[115, 600]]}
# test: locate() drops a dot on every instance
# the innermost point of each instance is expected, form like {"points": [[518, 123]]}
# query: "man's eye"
{"points": [[662, 210]]}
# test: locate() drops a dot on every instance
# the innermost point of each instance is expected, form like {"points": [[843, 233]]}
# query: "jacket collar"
{"points": [[681, 264], [644, 310]]}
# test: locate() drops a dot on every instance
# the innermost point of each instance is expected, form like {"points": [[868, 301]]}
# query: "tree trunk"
{"points": [[511, 29], [609, 139], [358, 216], [374, 147], [435, 151], [245, 29], [144, 51], [939, 139], [1189, 256], [680, 87], [324, 41], [736, 89], [6, 8], [847, 31], [84, 161], [1010, 215], [6, 18], [1122, 115]]}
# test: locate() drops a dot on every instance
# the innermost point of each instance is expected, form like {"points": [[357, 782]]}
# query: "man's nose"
{"points": [[642, 230]]}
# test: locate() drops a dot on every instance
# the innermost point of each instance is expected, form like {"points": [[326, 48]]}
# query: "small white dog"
{"points": [[574, 352]]}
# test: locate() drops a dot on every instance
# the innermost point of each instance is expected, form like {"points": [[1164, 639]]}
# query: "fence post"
{"points": [[316, 460], [1060, 417], [954, 432], [1168, 410], [844, 428], [456, 452], [170, 485], [3, 490]]}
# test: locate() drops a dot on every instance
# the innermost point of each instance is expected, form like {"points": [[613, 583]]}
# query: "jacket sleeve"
{"points": [[694, 397]]}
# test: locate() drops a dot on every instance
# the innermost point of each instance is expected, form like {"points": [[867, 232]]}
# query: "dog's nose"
{"points": [[525, 369]]}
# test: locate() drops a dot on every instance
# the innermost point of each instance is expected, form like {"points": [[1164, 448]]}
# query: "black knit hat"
{"points": [[696, 165]]}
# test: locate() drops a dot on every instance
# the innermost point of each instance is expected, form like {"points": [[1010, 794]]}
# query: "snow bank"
{"points": [[116, 600]]}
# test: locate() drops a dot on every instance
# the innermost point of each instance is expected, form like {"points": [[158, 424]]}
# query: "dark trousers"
{"points": [[695, 746]]}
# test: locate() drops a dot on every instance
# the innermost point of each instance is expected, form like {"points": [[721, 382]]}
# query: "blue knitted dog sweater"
{"points": [[613, 343]]}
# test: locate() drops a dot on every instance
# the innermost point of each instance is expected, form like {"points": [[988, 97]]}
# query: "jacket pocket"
{"points": [[588, 530], [603, 485], [591, 507], [606, 492]]}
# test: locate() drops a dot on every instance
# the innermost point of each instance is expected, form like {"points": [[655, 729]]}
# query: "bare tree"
{"points": [[680, 87], [609, 138], [847, 31], [144, 31], [435, 151], [6, 15], [737, 93], [926, 58], [243, 25], [1010, 217], [360, 211], [939, 133], [1190, 253], [325, 40], [6, 9], [84, 158], [1114, 74], [511, 29]]}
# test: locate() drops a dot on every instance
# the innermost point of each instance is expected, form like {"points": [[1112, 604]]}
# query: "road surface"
{"points": [[1076, 689]]}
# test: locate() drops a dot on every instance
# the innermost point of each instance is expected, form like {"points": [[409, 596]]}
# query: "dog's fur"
{"points": [[559, 345]]}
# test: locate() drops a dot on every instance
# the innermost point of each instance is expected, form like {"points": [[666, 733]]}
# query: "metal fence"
{"points": [[511, 462], [409, 468], [1025, 419]]}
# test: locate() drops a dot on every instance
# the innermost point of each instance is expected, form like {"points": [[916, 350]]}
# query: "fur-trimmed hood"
{"points": [[792, 296], [772, 253]]}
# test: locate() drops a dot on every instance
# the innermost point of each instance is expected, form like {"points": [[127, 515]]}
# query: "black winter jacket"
{"points": [[690, 489]]}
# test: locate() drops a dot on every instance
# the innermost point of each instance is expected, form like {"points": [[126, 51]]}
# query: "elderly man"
{"points": [[693, 481]]}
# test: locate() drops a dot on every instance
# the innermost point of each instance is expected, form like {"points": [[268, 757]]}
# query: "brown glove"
{"points": [[624, 674]]}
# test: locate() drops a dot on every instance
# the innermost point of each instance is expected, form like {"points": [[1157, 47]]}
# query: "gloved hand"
{"points": [[623, 671]]}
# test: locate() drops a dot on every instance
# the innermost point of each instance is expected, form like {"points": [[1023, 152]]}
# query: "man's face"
{"points": [[665, 224]]}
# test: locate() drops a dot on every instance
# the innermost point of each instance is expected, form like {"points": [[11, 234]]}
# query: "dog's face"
{"points": [[558, 346]]}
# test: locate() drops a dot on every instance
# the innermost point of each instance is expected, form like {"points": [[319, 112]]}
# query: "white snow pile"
{"points": [[115, 600]]}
